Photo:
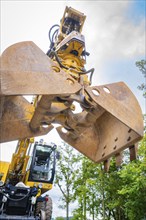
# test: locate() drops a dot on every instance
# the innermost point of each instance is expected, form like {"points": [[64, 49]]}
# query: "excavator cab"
{"points": [[43, 163]]}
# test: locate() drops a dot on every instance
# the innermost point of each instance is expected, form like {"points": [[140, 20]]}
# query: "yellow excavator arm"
{"points": [[19, 161], [111, 119]]}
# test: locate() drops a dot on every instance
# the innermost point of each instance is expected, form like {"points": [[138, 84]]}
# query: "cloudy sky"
{"points": [[114, 32]]}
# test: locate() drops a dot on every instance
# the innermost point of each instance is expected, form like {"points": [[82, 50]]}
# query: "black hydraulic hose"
{"points": [[52, 38], [89, 71], [49, 34], [15, 200], [55, 34]]}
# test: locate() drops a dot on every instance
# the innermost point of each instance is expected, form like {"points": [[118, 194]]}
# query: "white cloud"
{"points": [[110, 34], [107, 31]]}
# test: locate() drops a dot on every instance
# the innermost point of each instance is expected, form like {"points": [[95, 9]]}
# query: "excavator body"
{"points": [[25, 181], [110, 119]]}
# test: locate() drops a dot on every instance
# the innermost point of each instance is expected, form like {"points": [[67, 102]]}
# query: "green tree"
{"points": [[133, 191], [85, 190], [101, 193], [65, 175], [110, 183], [142, 67], [80, 190]]}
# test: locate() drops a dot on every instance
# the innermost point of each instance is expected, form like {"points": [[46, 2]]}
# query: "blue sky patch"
{"points": [[125, 70], [136, 10]]}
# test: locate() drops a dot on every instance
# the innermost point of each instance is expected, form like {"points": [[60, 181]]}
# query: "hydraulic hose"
{"points": [[49, 34], [15, 200]]}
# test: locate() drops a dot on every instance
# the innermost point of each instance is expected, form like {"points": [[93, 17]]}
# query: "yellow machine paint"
{"points": [[4, 167], [44, 186], [17, 169]]}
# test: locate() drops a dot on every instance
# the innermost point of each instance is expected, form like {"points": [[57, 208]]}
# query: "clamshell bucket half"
{"points": [[27, 70], [118, 123]]}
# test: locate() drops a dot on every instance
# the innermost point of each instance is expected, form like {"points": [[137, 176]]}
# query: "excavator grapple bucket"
{"points": [[27, 70], [116, 125], [111, 119]]}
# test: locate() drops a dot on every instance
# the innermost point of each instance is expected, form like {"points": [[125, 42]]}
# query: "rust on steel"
{"points": [[26, 70], [110, 120]]}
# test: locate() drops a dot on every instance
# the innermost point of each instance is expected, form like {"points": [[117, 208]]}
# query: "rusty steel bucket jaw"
{"points": [[26, 70], [117, 124]]}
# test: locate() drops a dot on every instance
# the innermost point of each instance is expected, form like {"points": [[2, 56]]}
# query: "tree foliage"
{"points": [[65, 175], [119, 194], [142, 67], [134, 185], [59, 218]]}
